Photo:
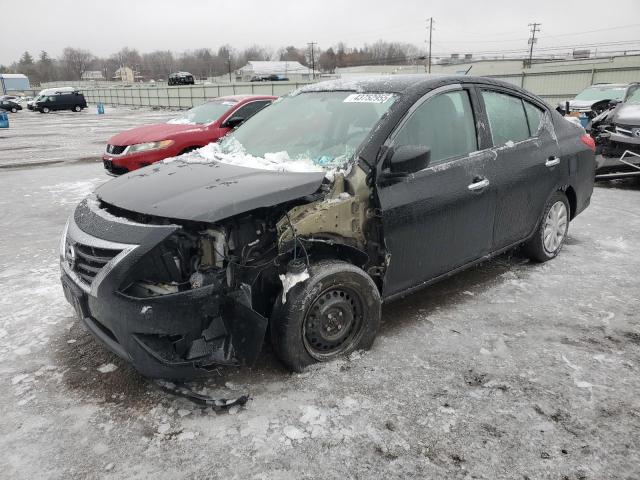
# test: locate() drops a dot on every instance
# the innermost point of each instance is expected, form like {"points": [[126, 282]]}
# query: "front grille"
{"points": [[90, 260], [116, 149], [114, 169]]}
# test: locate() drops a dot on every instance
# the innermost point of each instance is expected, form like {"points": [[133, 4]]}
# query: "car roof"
{"points": [[401, 84], [614, 85]]}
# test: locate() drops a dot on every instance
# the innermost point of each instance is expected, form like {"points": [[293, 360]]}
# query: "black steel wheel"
{"points": [[333, 313], [333, 322]]}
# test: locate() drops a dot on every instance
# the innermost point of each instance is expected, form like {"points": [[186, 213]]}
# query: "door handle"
{"points": [[552, 162], [478, 184]]}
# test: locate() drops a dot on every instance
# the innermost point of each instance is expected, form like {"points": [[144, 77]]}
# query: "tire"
{"points": [[45, 110], [14, 110], [77, 108], [551, 233], [336, 296]]}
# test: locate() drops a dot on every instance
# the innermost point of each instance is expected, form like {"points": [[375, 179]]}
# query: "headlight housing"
{"points": [[144, 147]]}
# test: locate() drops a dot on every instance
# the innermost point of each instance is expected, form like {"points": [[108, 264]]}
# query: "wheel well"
{"points": [[573, 201], [318, 250], [189, 149]]}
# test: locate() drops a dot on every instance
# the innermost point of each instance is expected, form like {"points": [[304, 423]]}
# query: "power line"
{"points": [[532, 40], [313, 60], [558, 47], [430, 28]]}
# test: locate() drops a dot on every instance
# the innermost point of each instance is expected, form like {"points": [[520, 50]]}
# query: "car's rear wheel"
{"points": [[77, 108], [334, 312], [551, 233], [14, 109]]}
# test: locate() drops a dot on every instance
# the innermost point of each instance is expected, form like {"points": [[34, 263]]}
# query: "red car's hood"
{"points": [[153, 133]]}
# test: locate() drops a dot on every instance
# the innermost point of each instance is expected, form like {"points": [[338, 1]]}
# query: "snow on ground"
{"points": [[509, 370], [57, 137]]}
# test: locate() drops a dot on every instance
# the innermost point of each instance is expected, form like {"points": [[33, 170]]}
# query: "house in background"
{"points": [[127, 75], [13, 81]]}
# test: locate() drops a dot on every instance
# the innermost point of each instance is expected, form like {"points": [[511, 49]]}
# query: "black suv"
{"points": [[336, 198], [181, 78], [74, 101]]}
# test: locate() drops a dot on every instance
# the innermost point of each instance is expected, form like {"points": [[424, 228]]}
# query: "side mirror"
{"points": [[232, 122], [409, 158], [613, 103]]}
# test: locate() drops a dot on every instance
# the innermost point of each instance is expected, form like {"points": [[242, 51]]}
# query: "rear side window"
{"points": [[443, 123], [534, 117], [250, 109], [507, 117]]}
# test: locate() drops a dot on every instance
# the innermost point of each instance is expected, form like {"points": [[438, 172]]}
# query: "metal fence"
{"points": [[553, 86], [185, 96]]}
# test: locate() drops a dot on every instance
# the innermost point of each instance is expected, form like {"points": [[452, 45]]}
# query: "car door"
{"points": [[528, 162], [441, 217]]}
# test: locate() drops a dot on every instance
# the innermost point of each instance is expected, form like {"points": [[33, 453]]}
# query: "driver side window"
{"points": [[444, 124]]}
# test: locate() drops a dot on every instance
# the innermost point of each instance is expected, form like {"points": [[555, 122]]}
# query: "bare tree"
{"points": [[76, 61]]}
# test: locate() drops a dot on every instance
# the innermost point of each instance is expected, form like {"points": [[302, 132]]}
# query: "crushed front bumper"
{"points": [[175, 336]]}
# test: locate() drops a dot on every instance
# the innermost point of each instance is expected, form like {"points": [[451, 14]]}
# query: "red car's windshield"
{"points": [[204, 114]]}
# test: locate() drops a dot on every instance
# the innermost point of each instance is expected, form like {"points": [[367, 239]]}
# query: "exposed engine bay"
{"points": [[247, 254]]}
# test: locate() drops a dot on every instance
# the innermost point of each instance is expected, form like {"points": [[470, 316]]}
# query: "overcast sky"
{"points": [[462, 26]]}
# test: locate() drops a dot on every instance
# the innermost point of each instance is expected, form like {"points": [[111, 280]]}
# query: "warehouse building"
{"points": [[14, 82]]}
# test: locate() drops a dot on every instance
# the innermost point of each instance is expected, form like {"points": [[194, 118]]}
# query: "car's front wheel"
{"points": [[552, 231], [45, 110], [332, 313]]}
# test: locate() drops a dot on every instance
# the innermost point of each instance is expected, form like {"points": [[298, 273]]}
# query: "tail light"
{"points": [[589, 142]]}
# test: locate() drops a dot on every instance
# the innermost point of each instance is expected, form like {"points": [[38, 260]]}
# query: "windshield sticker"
{"points": [[368, 98]]}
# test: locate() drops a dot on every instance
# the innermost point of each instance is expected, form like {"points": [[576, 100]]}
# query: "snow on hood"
{"points": [[181, 121], [274, 161]]}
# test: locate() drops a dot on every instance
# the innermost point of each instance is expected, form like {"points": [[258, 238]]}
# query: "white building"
{"points": [[93, 75], [13, 81], [294, 71]]}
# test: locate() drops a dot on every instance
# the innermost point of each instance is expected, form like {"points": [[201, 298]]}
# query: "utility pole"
{"points": [[430, 28], [229, 59], [532, 40], [313, 60]]}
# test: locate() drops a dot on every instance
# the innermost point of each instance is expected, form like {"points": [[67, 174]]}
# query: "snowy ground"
{"points": [[37, 138], [510, 370]]}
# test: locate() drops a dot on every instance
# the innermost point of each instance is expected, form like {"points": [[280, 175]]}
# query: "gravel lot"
{"points": [[509, 370]]}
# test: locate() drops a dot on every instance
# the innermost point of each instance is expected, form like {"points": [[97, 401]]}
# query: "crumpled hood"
{"points": [[205, 192], [152, 133], [627, 114]]}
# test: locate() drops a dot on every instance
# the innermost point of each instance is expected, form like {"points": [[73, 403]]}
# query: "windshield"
{"points": [[602, 92], [203, 114], [635, 98], [321, 129]]}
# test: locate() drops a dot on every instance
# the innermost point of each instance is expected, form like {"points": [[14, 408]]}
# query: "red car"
{"points": [[206, 123]]}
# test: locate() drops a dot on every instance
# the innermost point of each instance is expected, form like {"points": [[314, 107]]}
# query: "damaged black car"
{"points": [[617, 135], [303, 221]]}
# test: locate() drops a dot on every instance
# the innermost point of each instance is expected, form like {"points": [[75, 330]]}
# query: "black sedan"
{"points": [[10, 106], [338, 197]]}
